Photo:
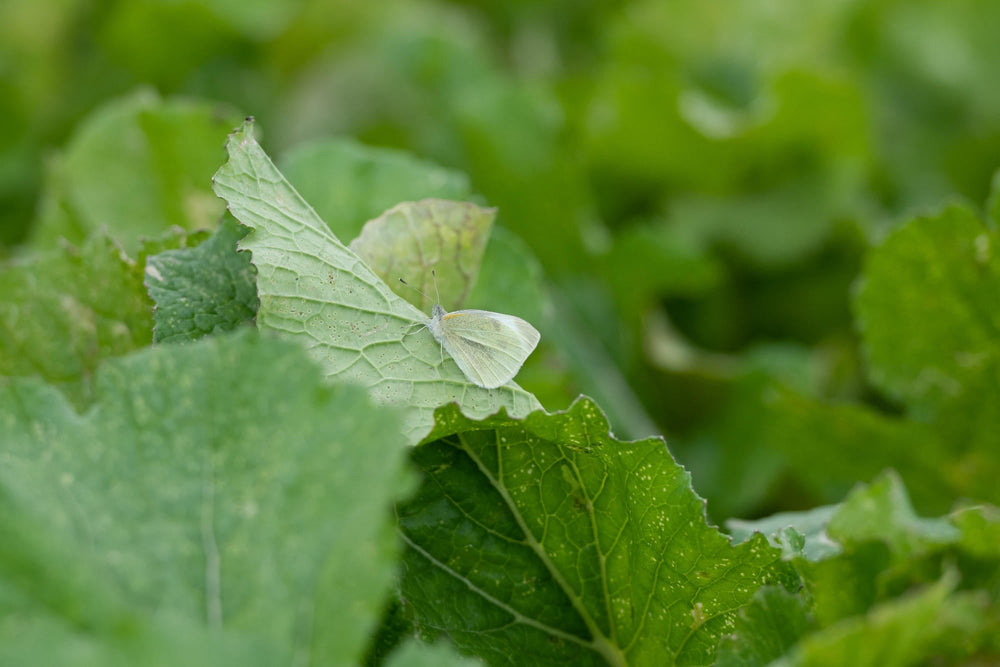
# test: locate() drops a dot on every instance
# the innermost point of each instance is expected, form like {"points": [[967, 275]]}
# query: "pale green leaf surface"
{"points": [[882, 511], [929, 313], [316, 291], [795, 533], [885, 548], [137, 166], [64, 311], [876, 512], [414, 239], [348, 183], [219, 483], [546, 541], [202, 290]]}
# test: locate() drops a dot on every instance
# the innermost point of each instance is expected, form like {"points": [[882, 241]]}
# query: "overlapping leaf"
{"points": [[435, 244], [314, 290]]}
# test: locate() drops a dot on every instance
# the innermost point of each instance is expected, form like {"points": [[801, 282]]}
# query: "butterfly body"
{"points": [[488, 347]]}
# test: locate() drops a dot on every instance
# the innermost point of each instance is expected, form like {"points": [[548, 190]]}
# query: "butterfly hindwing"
{"points": [[488, 347]]}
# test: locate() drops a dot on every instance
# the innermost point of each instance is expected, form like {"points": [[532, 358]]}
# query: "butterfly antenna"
{"points": [[421, 294], [435, 276], [414, 289]]}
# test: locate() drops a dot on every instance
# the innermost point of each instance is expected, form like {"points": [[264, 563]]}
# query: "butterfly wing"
{"points": [[488, 347]]}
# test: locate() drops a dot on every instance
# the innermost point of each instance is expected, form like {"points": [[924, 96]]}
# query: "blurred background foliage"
{"points": [[686, 190]]}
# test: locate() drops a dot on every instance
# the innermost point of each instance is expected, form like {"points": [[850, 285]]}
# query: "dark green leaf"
{"points": [[547, 540], [207, 289]]}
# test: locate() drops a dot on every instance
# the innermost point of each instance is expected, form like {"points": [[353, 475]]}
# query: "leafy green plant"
{"points": [[226, 435], [228, 495]]}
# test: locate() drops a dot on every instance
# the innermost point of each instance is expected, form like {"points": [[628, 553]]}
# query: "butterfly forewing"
{"points": [[488, 347]]}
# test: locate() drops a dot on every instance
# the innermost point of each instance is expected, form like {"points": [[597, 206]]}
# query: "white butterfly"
{"points": [[489, 348]]}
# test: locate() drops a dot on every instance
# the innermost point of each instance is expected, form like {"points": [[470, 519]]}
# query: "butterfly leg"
{"points": [[422, 327]]}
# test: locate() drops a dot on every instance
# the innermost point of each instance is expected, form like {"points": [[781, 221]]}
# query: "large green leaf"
{"points": [[546, 540], [316, 291], [215, 487]]}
